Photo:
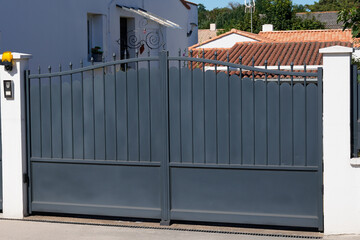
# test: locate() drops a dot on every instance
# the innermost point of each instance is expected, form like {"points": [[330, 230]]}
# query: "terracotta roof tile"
{"points": [[297, 53], [254, 36], [309, 35]]}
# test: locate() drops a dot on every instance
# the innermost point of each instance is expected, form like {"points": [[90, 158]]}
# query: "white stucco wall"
{"points": [[55, 32], [227, 41], [356, 54], [341, 178]]}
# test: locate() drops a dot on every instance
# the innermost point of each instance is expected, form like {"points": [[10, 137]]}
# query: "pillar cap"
{"points": [[19, 56], [336, 49]]}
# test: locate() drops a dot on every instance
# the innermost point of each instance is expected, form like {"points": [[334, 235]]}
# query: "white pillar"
{"points": [[13, 138], [341, 179]]}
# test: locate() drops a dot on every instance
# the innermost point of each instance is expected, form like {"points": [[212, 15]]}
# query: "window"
{"points": [[95, 36]]}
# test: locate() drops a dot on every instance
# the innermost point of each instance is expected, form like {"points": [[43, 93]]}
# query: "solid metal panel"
{"points": [[67, 126], [78, 133], [223, 118], [210, 117], [186, 116], [144, 115], [251, 192], [235, 120], [121, 116], [299, 127], [99, 115], [133, 117], [35, 124], [246, 218], [260, 123], [110, 116], [175, 115], [198, 116], [104, 186], [274, 124], [286, 124], [100, 210], [1, 186], [312, 125], [45, 105], [157, 113], [248, 121]]}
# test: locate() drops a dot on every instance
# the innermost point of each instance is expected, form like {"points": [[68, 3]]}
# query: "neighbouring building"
{"points": [[69, 31], [329, 19]]}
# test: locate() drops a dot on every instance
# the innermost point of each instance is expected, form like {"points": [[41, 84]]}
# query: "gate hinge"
{"points": [[26, 178]]}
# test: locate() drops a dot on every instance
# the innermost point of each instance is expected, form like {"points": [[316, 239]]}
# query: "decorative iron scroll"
{"points": [[151, 38]]}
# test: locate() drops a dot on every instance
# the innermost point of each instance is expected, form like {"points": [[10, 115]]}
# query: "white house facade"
{"points": [[66, 31]]}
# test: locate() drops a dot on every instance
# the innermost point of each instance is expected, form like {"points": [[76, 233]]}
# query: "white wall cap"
{"points": [[19, 56], [336, 49]]}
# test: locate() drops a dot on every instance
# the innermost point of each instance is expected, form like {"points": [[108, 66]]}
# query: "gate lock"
{"points": [[7, 61]]}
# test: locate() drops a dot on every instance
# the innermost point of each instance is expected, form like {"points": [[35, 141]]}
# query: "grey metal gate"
{"points": [[355, 110], [160, 137]]}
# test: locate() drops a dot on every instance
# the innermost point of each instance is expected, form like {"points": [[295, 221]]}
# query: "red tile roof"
{"points": [[326, 35], [297, 53], [254, 36]]}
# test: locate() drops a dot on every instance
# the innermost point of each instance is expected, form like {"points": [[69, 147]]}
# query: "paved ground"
{"points": [[35, 229]]}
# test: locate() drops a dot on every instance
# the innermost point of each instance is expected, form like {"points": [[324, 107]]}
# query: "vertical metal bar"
{"points": [[61, 114], [354, 110], [292, 116], [127, 108], [204, 104], [180, 84], [164, 73], [28, 143], [266, 114], [320, 148], [279, 104], [51, 123], [138, 100], [104, 95], [216, 109], [150, 115], [254, 109], [229, 122], [82, 108], [41, 148], [72, 111], [305, 92], [93, 98], [241, 112], [192, 107], [116, 122]]}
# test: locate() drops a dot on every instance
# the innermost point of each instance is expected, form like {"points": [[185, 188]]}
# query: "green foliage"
{"points": [[307, 24], [331, 5], [350, 16], [280, 13]]}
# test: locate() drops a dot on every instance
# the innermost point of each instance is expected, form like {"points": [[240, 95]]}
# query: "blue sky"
{"points": [[210, 4]]}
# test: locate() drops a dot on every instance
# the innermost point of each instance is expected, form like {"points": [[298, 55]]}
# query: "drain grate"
{"points": [[171, 229]]}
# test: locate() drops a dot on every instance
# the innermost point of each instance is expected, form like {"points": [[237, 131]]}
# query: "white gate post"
{"points": [[13, 136], [341, 178]]}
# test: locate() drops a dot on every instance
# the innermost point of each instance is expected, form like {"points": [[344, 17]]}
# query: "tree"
{"points": [[280, 14], [351, 19], [331, 5]]}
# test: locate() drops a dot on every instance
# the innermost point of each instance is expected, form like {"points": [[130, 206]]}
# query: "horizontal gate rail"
{"points": [[244, 67], [93, 67]]}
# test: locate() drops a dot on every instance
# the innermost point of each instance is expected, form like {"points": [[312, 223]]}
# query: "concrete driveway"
{"points": [[38, 230]]}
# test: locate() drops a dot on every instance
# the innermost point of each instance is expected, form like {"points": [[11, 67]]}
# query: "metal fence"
{"points": [[161, 137], [355, 111]]}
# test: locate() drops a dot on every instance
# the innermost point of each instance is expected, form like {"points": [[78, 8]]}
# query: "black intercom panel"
{"points": [[8, 89]]}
